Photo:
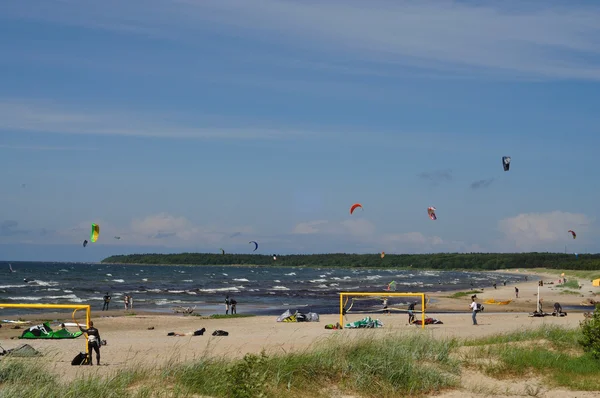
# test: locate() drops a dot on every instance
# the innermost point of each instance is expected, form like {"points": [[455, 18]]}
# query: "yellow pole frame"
{"points": [[74, 307], [382, 294]]}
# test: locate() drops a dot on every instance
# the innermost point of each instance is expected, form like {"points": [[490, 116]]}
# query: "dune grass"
{"points": [[587, 275], [571, 284], [369, 365], [571, 292], [382, 367], [550, 352]]}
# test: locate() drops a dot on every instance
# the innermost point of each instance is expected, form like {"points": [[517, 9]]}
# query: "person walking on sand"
{"points": [[474, 310], [516, 292], [227, 302], [93, 342], [106, 299], [126, 301]]}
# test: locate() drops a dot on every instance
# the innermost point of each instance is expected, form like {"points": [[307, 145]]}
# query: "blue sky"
{"points": [[197, 124]]}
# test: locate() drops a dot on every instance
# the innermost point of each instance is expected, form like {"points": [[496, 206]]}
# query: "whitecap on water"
{"points": [[279, 288], [28, 298], [70, 297], [241, 280], [118, 280], [43, 283], [291, 274]]}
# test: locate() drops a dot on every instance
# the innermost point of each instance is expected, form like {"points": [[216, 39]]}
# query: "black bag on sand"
{"points": [[80, 359], [200, 332], [220, 333]]}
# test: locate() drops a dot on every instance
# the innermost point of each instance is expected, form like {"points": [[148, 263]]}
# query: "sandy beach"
{"points": [[143, 338]]}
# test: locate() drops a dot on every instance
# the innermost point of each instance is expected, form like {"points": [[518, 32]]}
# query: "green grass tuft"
{"points": [[464, 294], [223, 316]]}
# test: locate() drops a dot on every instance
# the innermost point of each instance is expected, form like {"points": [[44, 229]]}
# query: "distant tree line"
{"points": [[477, 261]]}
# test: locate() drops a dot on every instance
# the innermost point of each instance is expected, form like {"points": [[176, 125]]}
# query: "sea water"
{"points": [[257, 289]]}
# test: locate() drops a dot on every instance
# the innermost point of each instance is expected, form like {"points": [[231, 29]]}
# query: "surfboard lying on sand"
{"points": [[17, 322]]}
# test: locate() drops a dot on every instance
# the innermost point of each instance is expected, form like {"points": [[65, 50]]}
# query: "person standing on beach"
{"points": [[411, 314], [106, 299], [227, 302], [385, 306], [474, 310], [126, 300], [516, 292], [93, 341], [130, 302], [233, 305]]}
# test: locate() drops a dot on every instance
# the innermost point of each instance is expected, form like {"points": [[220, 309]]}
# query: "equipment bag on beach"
{"points": [[80, 359]]}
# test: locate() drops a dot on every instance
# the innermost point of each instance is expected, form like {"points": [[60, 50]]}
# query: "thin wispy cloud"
{"points": [[482, 183], [45, 148], [436, 176], [11, 228], [510, 38], [40, 116]]}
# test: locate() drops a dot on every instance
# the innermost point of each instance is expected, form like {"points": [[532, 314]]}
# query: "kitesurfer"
{"points": [[106, 299], [93, 341]]}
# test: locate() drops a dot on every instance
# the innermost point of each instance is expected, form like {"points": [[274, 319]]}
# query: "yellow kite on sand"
{"points": [[492, 301]]}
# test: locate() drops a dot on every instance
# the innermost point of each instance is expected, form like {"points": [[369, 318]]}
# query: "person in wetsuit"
{"points": [[106, 299], [93, 341], [411, 314]]}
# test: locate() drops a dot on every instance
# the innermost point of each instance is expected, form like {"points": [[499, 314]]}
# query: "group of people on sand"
{"points": [[127, 299], [230, 304]]}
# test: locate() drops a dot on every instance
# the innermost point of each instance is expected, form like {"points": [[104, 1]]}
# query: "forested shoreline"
{"points": [[477, 261]]}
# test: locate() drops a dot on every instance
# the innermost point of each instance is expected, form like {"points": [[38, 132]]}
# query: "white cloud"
{"points": [[537, 39], [360, 234], [310, 227], [161, 229], [356, 228], [534, 231]]}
